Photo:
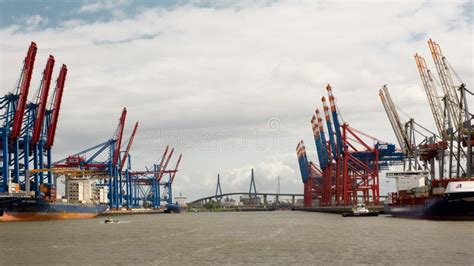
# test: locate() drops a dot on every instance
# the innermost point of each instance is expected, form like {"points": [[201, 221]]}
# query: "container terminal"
{"points": [[437, 177], [436, 181], [97, 179]]}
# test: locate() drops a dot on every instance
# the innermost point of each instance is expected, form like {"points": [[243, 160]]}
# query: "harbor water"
{"points": [[279, 237]]}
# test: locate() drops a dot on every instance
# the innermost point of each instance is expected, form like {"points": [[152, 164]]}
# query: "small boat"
{"points": [[111, 221], [359, 211]]}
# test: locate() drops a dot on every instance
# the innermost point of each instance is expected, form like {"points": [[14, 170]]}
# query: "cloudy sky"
{"points": [[231, 84]]}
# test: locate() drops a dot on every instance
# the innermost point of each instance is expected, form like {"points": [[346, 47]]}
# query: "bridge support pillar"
{"points": [[265, 202], [277, 200], [293, 200]]}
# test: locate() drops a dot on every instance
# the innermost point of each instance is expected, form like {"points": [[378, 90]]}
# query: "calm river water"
{"points": [[282, 237]]}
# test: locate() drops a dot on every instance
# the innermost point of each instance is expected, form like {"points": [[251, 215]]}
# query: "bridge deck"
{"points": [[247, 194]]}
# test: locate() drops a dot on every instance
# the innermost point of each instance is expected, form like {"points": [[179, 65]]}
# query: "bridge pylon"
{"points": [[218, 188], [252, 185]]}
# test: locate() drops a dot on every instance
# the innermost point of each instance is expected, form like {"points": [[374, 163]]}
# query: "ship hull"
{"points": [[14, 209], [456, 206], [351, 214], [172, 208]]}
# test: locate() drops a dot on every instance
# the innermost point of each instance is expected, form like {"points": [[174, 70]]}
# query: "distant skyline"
{"points": [[231, 84]]}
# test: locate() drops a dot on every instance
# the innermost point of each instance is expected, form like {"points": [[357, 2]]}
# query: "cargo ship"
{"points": [[447, 199], [172, 208], [18, 206], [37, 209]]}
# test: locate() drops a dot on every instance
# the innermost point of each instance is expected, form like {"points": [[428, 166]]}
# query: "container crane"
{"points": [[168, 192], [432, 94], [458, 109], [305, 173], [311, 176], [34, 126], [109, 167], [52, 118], [440, 115], [405, 133], [346, 175], [457, 118], [450, 91], [146, 184], [328, 169], [126, 159], [13, 106], [159, 171], [28, 128]]}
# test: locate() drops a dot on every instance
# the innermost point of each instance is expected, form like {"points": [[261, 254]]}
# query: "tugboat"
{"points": [[358, 211]]}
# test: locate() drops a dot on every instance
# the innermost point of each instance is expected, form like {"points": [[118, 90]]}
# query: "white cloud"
{"points": [[34, 21], [103, 5], [199, 72]]}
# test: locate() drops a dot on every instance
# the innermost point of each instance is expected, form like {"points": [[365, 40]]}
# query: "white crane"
{"points": [[450, 91], [432, 94], [394, 119]]}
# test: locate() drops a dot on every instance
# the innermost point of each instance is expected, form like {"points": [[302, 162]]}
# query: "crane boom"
{"points": [[449, 89], [42, 100], [129, 146], [176, 168], [324, 150], [335, 119], [22, 90], [302, 161], [57, 98], [317, 140], [164, 155], [394, 119], [432, 94], [118, 137], [329, 127], [163, 167]]}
